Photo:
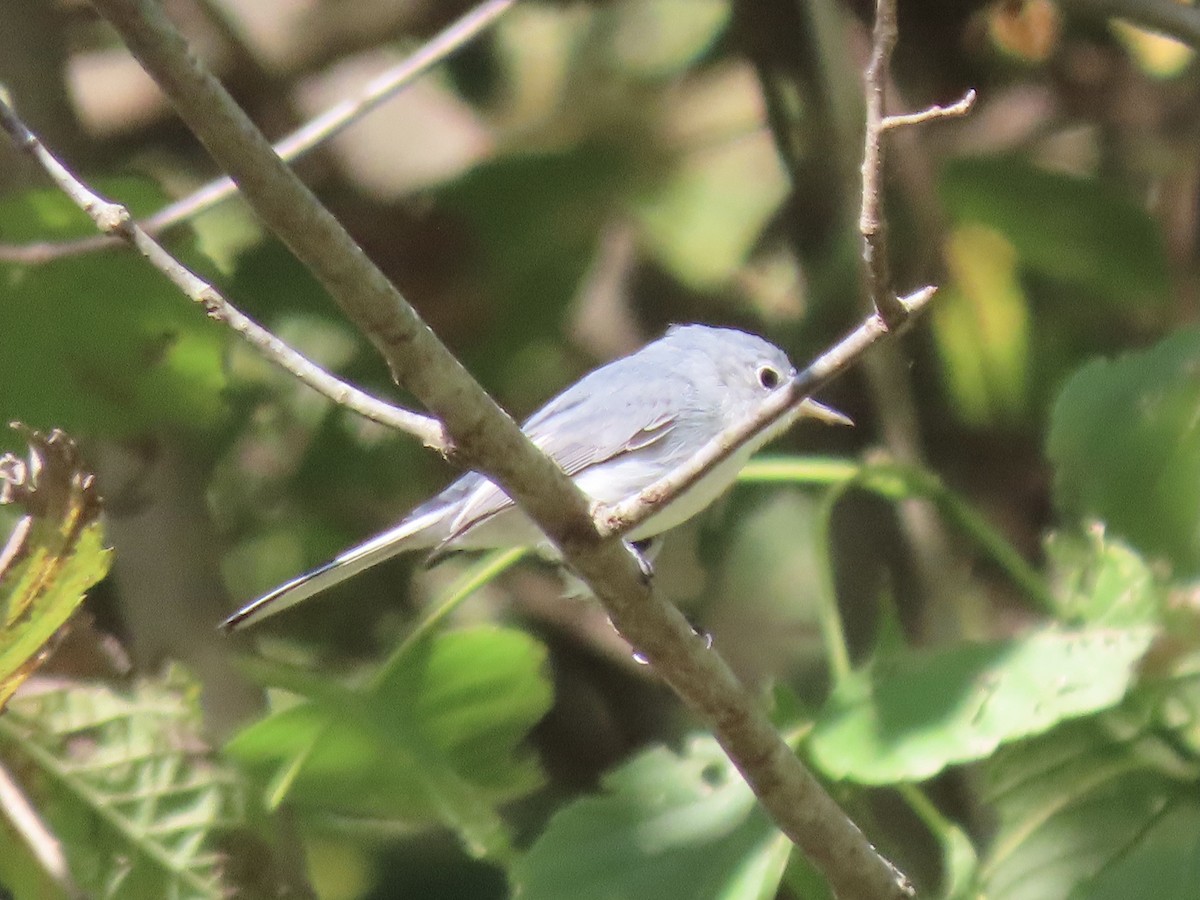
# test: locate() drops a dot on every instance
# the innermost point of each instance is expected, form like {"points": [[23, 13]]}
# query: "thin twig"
{"points": [[114, 219], [954, 110], [341, 115], [885, 371], [36, 834], [870, 220], [312, 134]]}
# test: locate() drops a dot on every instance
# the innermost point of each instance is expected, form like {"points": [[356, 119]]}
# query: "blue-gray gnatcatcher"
{"points": [[615, 432]]}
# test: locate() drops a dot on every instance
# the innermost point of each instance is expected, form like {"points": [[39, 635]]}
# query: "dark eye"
{"points": [[769, 377]]}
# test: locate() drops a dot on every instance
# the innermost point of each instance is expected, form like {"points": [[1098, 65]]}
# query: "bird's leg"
{"points": [[644, 552]]}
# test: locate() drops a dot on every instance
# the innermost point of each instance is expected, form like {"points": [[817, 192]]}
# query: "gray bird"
{"points": [[615, 431]]}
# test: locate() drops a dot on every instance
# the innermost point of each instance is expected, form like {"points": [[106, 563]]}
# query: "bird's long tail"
{"points": [[408, 535]]}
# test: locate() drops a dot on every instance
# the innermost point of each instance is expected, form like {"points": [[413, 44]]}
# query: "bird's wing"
{"points": [[576, 437]]}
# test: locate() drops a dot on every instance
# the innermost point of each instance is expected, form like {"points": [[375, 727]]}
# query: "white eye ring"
{"points": [[769, 377]]}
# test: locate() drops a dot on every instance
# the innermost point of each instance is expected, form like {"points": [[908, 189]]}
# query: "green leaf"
{"points": [[1083, 802], [53, 555], [437, 740], [1163, 864], [1126, 449], [1083, 231], [960, 861], [1100, 581], [665, 826], [100, 343], [48, 587], [128, 787], [913, 714]]}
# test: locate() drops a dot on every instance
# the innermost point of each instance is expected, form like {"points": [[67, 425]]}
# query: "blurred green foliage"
{"points": [[1126, 451], [434, 738], [988, 649], [101, 349]]}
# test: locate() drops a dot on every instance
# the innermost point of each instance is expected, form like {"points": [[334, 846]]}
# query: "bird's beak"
{"points": [[812, 409]]}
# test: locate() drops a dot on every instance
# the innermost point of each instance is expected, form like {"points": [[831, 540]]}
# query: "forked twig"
{"points": [[958, 108], [871, 222]]}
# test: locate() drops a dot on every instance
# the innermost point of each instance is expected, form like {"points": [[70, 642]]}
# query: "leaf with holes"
{"points": [[1101, 581], [127, 785]]}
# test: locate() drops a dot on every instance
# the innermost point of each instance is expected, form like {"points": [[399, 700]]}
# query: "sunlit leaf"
{"points": [[1158, 54], [1126, 448], [665, 826], [657, 38], [53, 555], [911, 715]]}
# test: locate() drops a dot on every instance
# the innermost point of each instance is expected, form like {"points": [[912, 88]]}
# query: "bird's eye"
{"points": [[769, 377]]}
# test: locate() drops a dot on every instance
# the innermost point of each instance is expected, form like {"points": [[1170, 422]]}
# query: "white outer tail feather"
{"points": [[408, 535]]}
